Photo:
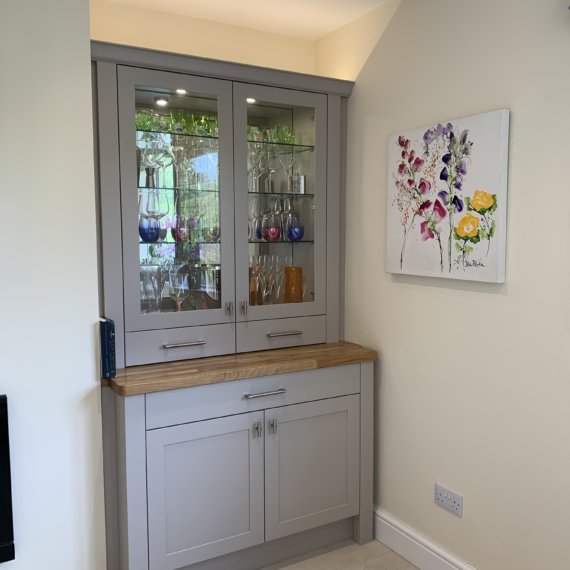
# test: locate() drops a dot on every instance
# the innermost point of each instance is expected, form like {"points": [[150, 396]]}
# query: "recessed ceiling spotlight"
{"points": [[181, 91], [251, 100], [161, 101]]}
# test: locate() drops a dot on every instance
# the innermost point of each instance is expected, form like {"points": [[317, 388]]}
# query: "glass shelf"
{"points": [[189, 190], [285, 147], [288, 194], [173, 133], [187, 241]]}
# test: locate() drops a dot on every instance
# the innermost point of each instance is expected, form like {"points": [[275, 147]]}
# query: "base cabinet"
{"points": [[311, 465], [211, 470], [205, 490]]}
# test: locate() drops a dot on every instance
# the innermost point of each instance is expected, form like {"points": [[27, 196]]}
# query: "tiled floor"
{"points": [[348, 556]]}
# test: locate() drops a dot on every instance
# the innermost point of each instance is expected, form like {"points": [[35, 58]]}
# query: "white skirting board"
{"points": [[412, 546]]}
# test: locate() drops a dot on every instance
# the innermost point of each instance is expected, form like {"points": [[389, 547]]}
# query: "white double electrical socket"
{"points": [[448, 500]]}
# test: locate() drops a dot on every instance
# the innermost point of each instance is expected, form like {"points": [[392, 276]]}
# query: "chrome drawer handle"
{"points": [[289, 333], [263, 394], [184, 344]]}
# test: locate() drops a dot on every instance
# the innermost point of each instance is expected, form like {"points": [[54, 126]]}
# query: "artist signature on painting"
{"points": [[474, 263]]}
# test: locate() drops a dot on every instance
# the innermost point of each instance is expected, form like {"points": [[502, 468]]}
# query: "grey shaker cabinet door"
{"points": [[205, 490], [311, 465]]}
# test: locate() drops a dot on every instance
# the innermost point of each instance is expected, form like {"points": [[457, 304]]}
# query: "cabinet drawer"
{"points": [[281, 333], [226, 398], [146, 347]]}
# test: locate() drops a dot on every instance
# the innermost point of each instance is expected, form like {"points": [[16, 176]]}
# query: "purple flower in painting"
{"points": [[462, 167], [424, 186], [429, 136], [425, 232], [457, 203], [444, 175], [463, 136], [446, 158], [458, 183], [424, 207], [444, 197], [442, 131], [439, 212]]}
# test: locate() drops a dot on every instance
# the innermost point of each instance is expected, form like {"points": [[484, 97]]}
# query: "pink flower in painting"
{"points": [[439, 212], [424, 186], [401, 169], [417, 164], [424, 207], [404, 142], [412, 156], [426, 232]]}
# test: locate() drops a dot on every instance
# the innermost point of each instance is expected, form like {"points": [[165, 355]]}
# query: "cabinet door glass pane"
{"points": [[178, 201], [281, 201]]}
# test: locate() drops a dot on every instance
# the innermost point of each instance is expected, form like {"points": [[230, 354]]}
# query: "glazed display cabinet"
{"points": [[220, 205]]}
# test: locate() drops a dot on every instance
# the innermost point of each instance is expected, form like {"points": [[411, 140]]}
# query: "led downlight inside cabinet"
{"points": [[161, 101]]}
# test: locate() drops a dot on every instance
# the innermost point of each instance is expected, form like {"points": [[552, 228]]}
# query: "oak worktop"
{"points": [[149, 378]]}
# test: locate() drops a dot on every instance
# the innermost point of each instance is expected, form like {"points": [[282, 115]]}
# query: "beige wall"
{"points": [[49, 286], [122, 24], [342, 53], [473, 385]]}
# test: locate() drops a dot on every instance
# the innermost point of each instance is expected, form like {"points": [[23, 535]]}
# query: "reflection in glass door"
{"points": [[178, 202]]}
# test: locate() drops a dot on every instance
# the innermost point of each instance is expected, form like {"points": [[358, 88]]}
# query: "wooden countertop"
{"points": [[201, 371]]}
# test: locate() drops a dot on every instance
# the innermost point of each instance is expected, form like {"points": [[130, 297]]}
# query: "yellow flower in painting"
{"points": [[481, 200], [468, 226]]}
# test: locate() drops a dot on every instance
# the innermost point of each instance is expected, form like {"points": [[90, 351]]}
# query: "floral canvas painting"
{"points": [[447, 199]]}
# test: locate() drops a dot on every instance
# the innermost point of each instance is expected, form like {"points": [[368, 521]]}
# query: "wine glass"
{"points": [[271, 224], [151, 285], [294, 228], [179, 229], [149, 229], [178, 287], [253, 219]]}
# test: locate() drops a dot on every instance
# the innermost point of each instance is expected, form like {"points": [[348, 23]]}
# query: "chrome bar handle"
{"points": [[243, 307], [257, 429], [273, 425], [184, 344], [230, 308], [288, 333], [263, 394]]}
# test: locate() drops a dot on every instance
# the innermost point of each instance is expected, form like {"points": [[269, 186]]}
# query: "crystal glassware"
{"points": [[152, 281], [178, 287], [149, 229]]}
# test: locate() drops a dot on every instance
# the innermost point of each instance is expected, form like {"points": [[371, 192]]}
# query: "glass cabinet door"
{"points": [[280, 177], [176, 199]]}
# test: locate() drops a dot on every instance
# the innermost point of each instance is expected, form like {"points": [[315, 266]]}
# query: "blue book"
{"points": [[107, 334]]}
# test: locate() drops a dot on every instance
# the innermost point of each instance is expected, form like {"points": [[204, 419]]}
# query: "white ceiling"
{"points": [[307, 19]]}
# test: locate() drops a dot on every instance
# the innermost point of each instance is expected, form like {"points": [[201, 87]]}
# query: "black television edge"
{"points": [[6, 519]]}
